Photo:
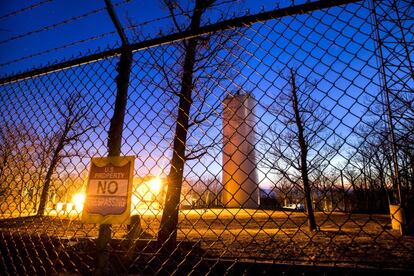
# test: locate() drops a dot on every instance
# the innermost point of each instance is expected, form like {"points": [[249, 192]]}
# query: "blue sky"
{"points": [[97, 23], [332, 47]]}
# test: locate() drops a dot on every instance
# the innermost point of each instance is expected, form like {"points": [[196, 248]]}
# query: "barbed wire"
{"points": [[55, 49], [95, 37], [61, 23], [151, 40], [177, 14], [256, 93], [13, 13]]}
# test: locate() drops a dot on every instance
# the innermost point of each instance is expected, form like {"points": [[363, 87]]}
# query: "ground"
{"points": [[261, 235]]}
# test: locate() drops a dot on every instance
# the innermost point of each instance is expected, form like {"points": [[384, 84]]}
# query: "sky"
{"points": [[96, 24], [333, 48]]}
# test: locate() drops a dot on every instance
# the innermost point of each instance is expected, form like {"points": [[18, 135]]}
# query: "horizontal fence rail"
{"points": [[237, 22], [279, 143]]}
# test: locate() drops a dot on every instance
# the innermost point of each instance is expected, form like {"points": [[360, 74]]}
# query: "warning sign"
{"points": [[108, 194]]}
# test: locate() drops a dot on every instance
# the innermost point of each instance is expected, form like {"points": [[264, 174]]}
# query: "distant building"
{"points": [[240, 181]]}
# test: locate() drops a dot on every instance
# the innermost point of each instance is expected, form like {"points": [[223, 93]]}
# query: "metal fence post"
{"points": [[114, 133], [388, 109], [114, 147]]}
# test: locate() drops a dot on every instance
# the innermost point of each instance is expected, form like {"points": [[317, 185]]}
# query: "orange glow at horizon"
{"points": [[78, 200], [146, 196]]}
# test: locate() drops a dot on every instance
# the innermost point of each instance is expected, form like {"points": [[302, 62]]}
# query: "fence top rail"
{"points": [[307, 7]]}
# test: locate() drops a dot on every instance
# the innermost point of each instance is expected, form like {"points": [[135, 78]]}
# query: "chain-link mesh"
{"points": [[281, 144]]}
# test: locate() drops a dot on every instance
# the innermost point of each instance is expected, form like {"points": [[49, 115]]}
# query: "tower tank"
{"points": [[240, 181]]}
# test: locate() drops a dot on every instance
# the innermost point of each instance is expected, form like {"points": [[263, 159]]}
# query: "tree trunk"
{"points": [[168, 229], [345, 194], [412, 171], [48, 178], [303, 157]]}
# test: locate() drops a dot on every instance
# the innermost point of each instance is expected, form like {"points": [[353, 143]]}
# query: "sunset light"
{"points": [[155, 185], [78, 200], [207, 137], [147, 195]]}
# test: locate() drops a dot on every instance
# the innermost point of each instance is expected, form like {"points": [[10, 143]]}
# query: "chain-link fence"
{"points": [[281, 141]]}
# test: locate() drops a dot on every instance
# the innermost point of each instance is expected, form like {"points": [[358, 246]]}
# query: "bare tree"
{"points": [[372, 156], [169, 221], [191, 75], [300, 144], [19, 170], [7, 143], [74, 122]]}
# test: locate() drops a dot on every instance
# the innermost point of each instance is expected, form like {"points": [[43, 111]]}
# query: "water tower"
{"points": [[240, 181]]}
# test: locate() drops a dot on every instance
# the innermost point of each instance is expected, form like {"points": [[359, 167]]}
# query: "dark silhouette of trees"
{"points": [[298, 143], [168, 228], [15, 164], [7, 144], [371, 161], [21, 158], [74, 122], [190, 80]]}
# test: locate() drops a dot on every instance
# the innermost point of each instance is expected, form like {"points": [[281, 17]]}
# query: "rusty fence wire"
{"points": [[275, 142]]}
